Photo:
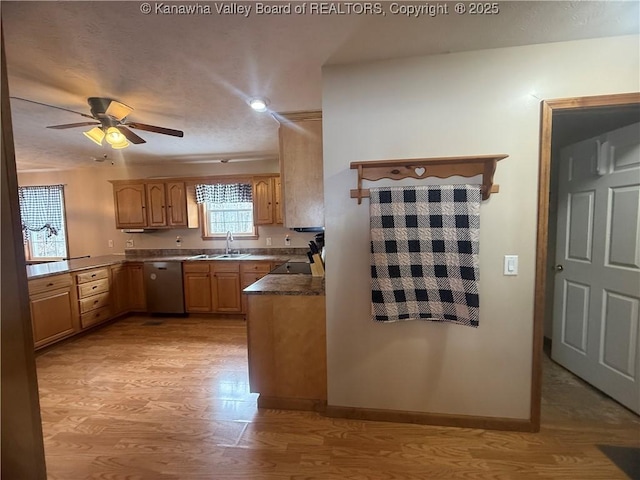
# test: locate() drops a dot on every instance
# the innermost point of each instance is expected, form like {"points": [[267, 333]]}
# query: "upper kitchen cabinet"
{"points": [[177, 212], [267, 206], [157, 211], [301, 168], [130, 205], [157, 204]]}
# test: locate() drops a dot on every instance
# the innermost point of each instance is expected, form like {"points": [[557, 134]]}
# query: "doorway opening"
{"points": [[563, 120]]}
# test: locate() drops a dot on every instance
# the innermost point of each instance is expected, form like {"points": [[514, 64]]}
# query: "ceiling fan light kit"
{"points": [[114, 137], [110, 118], [118, 146], [95, 135]]}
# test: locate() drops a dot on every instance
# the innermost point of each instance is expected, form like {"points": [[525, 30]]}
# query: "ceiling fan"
{"points": [[110, 123]]}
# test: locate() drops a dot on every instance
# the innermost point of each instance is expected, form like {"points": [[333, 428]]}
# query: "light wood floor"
{"points": [[156, 399]]}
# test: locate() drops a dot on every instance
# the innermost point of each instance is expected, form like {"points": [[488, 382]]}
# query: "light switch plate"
{"points": [[511, 265]]}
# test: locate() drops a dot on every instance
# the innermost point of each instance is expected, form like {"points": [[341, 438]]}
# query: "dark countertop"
{"points": [[57, 268], [287, 284]]}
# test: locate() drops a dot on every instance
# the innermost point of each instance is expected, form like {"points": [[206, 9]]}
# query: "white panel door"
{"points": [[597, 288]]}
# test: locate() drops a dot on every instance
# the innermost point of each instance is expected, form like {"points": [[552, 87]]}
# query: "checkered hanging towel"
{"points": [[424, 253]]}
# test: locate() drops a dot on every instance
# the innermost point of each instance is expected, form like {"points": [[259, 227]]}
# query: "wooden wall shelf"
{"points": [[420, 168]]}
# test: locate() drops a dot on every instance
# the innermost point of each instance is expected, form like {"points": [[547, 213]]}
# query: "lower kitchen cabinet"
{"points": [[197, 287], [119, 289], [54, 313], [225, 287], [216, 286], [251, 272], [94, 300], [287, 351], [137, 295]]}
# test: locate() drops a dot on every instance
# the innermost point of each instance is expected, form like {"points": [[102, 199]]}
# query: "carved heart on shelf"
{"points": [[419, 171]]}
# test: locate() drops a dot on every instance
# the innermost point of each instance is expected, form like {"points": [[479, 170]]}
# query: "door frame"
{"points": [[548, 107]]}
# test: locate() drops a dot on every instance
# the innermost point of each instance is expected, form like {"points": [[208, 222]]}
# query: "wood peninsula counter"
{"points": [[287, 342]]}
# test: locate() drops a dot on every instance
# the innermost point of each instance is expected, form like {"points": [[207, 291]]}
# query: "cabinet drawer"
{"points": [[255, 267], [95, 316], [92, 275], [49, 283], [225, 266], [93, 288], [94, 302], [195, 267]]}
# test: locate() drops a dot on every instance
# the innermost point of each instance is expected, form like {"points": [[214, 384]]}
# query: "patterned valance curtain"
{"points": [[41, 209], [224, 193]]}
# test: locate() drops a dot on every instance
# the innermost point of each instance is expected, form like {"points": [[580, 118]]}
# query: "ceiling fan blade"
{"points": [[72, 125], [132, 137], [118, 110], [52, 106], [151, 128]]}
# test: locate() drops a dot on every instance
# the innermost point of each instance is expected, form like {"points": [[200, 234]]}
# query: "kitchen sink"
{"points": [[230, 255], [219, 256]]}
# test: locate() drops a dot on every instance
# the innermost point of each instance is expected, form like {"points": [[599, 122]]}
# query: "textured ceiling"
{"points": [[195, 72]]}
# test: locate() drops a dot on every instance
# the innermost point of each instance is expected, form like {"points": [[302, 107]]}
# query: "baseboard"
{"points": [[280, 403], [441, 420]]}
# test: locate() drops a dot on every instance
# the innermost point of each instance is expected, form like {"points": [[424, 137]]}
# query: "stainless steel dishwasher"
{"points": [[163, 283]]}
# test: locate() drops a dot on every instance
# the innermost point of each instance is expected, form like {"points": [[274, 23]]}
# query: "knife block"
{"points": [[317, 267]]}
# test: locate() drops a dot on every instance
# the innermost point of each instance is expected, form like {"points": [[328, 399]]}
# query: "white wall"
{"points": [[91, 217], [460, 104]]}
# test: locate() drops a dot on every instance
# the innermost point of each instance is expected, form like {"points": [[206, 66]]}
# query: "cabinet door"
{"points": [[137, 296], [197, 292], [130, 206], [301, 170], [156, 212], [176, 204], [52, 316], [225, 292], [278, 217], [119, 290], [262, 201]]}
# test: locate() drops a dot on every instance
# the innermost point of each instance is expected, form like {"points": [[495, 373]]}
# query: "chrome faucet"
{"points": [[229, 240]]}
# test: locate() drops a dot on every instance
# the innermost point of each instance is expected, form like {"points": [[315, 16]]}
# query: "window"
{"points": [[226, 207], [42, 214]]}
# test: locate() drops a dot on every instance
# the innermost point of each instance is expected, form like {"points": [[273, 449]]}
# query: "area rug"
{"points": [[626, 459]]}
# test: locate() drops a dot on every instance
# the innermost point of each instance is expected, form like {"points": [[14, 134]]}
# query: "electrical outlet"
{"points": [[287, 241], [130, 243], [110, 243], [268, 241]]}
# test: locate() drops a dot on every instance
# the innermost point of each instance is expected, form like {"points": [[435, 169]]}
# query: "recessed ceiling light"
{"points": [[259, 104]]}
